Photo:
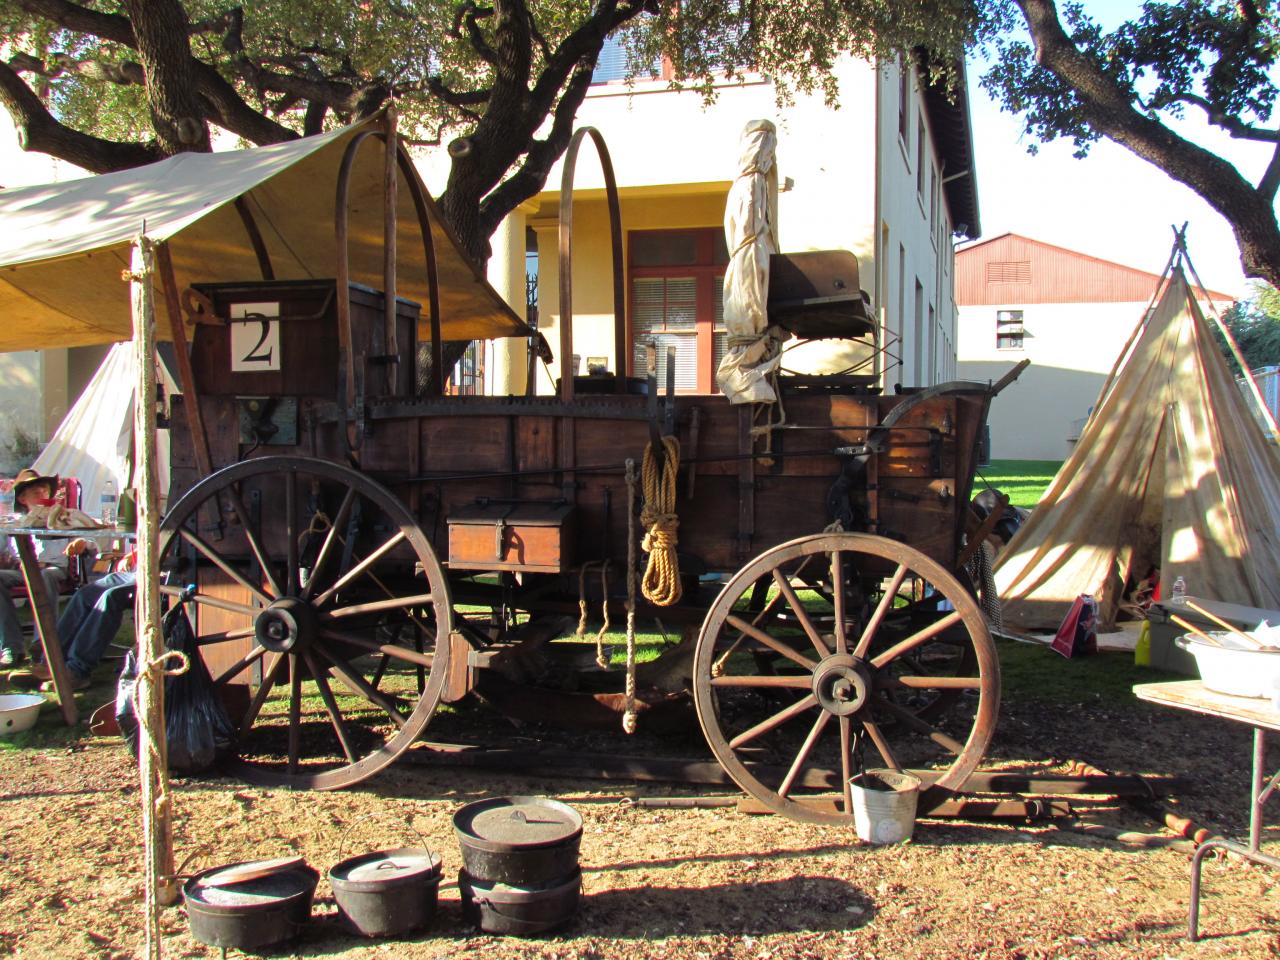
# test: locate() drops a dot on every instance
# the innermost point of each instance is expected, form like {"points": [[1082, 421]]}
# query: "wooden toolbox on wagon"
{"points": [[523, 537]]}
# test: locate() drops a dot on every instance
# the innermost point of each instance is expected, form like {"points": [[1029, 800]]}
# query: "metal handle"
{"points": [[342, 843]]}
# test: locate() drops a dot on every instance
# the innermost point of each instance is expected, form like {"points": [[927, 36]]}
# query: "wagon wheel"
{"points": [[838, 669], [344, 606]]}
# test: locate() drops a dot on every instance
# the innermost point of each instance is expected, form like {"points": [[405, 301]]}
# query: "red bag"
{"points": [[1078, 635]]}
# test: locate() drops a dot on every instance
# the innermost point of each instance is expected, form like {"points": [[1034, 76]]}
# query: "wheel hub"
{"points": [[288, 624], [842, 684]]}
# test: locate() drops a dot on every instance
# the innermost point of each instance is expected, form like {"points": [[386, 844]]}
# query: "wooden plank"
{"points": [[464, 444], [1194, 696], [535, 443]]}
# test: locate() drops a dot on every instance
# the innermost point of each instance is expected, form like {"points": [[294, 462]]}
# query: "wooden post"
{"points": [[153, 767]]}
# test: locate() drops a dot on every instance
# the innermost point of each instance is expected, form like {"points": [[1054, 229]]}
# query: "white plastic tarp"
{"points": [[750, 228], [1172, 470], [63, 246]]}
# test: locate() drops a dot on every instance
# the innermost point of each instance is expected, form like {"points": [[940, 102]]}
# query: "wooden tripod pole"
{"points": [[153, 767]]}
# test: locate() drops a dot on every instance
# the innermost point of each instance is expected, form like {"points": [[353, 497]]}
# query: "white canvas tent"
{"points": [[1172, 470], [94, 442]]}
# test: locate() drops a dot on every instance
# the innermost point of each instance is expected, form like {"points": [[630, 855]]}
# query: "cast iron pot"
{"points": [[522, 911], [519, 840], [250, 915], [387, 892]]}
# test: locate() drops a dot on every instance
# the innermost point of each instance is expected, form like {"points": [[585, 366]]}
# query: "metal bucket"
{"points": [[250, 915], [387, 892], [884, 805], [523, 841], [522, 911]]}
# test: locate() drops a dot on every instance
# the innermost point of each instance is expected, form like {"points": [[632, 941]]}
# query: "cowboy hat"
{"points": [[26, 478]]}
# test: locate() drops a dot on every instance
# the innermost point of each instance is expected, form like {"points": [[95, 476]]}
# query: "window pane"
{"points": [[613, 62], [666, 249], [686, 345], [660, 304], [719, 335]]}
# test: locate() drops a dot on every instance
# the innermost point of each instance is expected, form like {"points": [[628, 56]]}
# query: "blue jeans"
{"points": [[11, 637], [92, 619]]}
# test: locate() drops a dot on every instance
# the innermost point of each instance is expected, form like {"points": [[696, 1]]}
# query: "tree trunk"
{"points": [[161, 29]]}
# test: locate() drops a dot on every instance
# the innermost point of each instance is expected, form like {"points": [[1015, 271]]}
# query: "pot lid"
{"points": [[519, 821], [262, 890], [382, 866]]}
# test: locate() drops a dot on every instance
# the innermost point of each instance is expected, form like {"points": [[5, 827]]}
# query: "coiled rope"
{"points": [[661, 585]]}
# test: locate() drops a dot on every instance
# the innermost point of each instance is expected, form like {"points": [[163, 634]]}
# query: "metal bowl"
{"points": [[18, 712]]}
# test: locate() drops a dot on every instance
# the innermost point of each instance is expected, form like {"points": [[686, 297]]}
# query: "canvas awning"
{"points": [[63, 246]]}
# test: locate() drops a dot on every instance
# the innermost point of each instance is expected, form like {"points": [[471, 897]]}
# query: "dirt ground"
{"points": [[687, 883]]}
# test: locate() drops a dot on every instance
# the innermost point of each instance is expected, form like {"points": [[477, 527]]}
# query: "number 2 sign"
{"points": [[255, 336]]}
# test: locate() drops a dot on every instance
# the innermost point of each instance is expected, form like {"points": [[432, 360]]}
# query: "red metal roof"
{"points": [[1011, 268]]}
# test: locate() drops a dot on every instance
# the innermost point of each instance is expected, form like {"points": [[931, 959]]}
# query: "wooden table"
{"points": [[43, 609], [1193, 696]]}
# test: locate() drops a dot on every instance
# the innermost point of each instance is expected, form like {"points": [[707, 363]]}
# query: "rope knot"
{"points": [[661, 585]]}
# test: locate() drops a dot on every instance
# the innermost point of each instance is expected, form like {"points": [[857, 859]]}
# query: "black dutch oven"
{"points": [[387, 892], [522, 841], [253, 913]]}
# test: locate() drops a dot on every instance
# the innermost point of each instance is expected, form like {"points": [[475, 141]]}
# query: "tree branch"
{"points": [[1108, 108], [78, 19], [471, 14], [1233, 125], [40, 132], [124, 73]]}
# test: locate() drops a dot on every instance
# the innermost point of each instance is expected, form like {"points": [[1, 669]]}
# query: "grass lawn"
{"points": [[1023, 481]]}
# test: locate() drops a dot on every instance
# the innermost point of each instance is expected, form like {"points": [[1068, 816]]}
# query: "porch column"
{"points": [[506, 274]]}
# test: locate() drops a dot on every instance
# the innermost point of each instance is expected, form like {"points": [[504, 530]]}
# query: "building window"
{"points": [[616, 62], [677, 300], [1009, 331], [920, 160]]}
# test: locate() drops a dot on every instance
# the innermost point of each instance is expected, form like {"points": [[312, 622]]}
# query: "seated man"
{"points": [[88, 625], [30, 489]]}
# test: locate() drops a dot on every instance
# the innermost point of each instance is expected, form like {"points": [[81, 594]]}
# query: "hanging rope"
{"points": [[153, 671], [661, 585], [629, 715], [602, 660]]}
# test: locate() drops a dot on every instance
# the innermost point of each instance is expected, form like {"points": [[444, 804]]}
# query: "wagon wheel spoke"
{"points": [[919, 726], [361, 567], [295, 713], [217, 560], [389, 649], [767, 680], [838, 598], [359, 685], [761, 637], [330, 538], [846, 762], [292, 575], [264, 689], [251, 538], [222, 636], [883, 607], [801, 614], [937, 683], [210, 601], [881, 744], [234, 670], [779, 718], [802, 755], [331, 706], [916, 639], [761, 618], [385, 595]]}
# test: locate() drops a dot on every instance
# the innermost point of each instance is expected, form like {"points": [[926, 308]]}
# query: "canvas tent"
{"points": [[64, 246], [1172, 470], [94, 442]]}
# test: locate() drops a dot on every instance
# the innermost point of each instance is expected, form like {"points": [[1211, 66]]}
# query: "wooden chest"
{"points": [[523, 537]]}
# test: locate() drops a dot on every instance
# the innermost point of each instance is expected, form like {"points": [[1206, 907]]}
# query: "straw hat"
{"points": [[26, 478]]}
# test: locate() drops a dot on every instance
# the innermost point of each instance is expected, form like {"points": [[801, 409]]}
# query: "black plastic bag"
{"points": [[198, 730]]}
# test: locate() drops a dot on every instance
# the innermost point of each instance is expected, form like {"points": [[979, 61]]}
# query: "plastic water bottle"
{"points": [[6, 502], [1178, 592], [108, 503]]}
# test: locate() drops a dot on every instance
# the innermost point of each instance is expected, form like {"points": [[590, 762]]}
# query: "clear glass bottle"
{"points": [[108, 502], [6, 502], [1178, 592]]}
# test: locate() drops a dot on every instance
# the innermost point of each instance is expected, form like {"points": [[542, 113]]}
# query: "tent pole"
{"points": [[1231, 342], [152, 755], [389, 198], [186, 375]]}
